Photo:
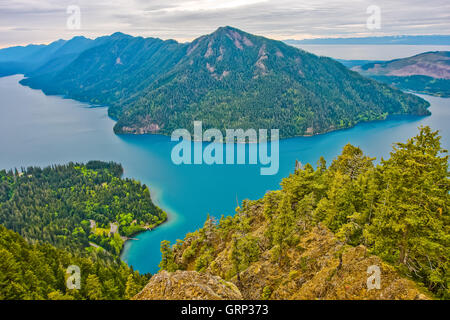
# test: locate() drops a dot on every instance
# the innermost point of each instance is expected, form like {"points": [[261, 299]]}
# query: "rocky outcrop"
{"points": [[292, 244], [188, 285], [323, 268], [319, 267]]}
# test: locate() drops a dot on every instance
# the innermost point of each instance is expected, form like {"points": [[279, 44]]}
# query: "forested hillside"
{"points": [[39, 271], [76, 207], [227, 79], [427, 73], [114, 69], [317, 236], [42, 59], [232, 79]]}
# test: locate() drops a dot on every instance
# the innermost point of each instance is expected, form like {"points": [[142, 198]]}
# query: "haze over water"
{"points": [[369, 51], [41, 130]]}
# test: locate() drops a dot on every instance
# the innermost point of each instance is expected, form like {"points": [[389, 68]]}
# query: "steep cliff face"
{"points": [[320, 267], [188, 285], [323, 268]]}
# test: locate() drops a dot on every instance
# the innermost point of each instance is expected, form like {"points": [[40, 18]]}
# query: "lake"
{"points": [[369, 52], [36, 129]]}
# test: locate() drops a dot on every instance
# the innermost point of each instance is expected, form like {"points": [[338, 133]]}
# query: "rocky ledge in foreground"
{"points": [[188, 285], [318, 271]]}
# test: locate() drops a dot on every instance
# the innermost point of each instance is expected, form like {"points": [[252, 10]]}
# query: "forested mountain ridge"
{"points": [[427, 72], [77, 207], [37, 59], [232, 79], [113, 70], [227, 79], [435, 64], [317, 237]]}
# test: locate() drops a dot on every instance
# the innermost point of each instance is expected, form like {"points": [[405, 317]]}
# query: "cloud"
{"points": [[209, 5], [45, 20]]}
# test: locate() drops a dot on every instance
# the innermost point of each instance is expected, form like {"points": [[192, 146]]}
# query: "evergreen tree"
{"points": [[411, 223], [132, 287], [168, 259], [93, 287]]}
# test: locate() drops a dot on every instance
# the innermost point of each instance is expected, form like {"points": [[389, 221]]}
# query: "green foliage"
{"points": [[202, 262], [421, 84], [168, 258], [397, 209], [244, 251], [133, 286], [411, 226], [93, 287], [267, 292], [55, 205], [38, 271]]}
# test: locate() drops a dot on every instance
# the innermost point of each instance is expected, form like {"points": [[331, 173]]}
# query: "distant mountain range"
{"points": [[34, 59], [409, 40], [227, 79], [427, 72]]}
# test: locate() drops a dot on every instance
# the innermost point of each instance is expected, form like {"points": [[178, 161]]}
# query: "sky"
{"points": [[42, 21]]}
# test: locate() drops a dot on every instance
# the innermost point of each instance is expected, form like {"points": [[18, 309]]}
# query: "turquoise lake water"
{"points": [[40, 130]]}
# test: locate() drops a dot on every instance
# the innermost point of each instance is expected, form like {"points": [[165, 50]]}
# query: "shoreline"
{"points": [[388, 117], [132, 236], [156, 197], [156, 193], [93, 105]]}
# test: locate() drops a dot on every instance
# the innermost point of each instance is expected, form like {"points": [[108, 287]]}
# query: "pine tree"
{"points": [[411, 223], [93, 287], [132, 287], [168, 259]]}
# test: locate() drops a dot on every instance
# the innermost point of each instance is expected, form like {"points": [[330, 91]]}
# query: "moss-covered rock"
{"points": [[188, 285]]}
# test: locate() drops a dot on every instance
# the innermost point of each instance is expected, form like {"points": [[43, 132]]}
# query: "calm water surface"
{"points": [[369, 52], [40, 130]]}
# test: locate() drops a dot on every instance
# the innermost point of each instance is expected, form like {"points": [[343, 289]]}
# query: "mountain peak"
{"points": [[79, 38], [215, 44], [120, 35], [230, 31], [227, 28]]}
